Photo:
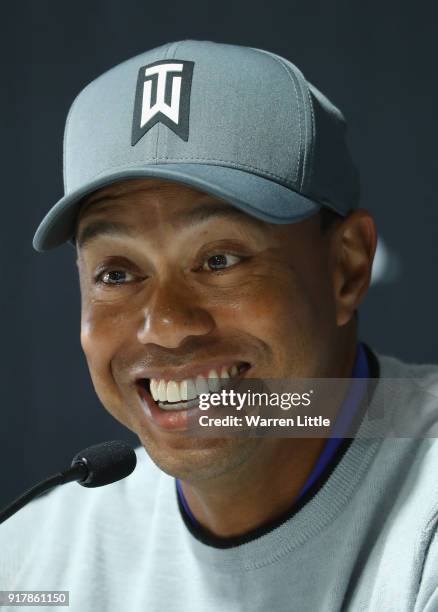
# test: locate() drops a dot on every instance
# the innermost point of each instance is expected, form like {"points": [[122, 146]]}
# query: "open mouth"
{"points": [[183, 395]]}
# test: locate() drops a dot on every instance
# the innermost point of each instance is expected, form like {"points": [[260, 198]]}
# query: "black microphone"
{"points": [[95, 466]]}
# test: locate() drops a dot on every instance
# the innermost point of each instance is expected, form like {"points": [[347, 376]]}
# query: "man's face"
{"points": [[174, 290]]}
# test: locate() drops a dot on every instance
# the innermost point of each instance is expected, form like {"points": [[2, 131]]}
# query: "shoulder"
{"points": [[427, 596], [410, 392], [403, 416], [393, 367]]}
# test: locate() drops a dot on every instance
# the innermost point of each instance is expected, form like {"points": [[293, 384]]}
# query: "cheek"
{"points": [[102, 333], [287, 317], [97, 337]]}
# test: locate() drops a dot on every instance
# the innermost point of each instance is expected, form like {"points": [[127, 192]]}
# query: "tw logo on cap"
{"points": [[163, 95]]}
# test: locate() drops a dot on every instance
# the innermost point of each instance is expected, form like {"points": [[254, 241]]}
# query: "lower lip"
{"points": [[172, 420]]}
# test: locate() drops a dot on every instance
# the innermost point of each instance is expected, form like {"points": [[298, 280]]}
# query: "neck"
{"points": [[258, 491]]}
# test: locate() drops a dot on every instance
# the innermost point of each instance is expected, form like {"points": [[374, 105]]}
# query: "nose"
{"points": [[172, 314]]}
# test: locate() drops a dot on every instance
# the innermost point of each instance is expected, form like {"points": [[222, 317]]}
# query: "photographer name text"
{"points": [[259, 421]]}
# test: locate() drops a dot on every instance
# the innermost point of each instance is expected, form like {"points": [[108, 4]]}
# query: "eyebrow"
{"points": [[101, 228], [196, 215]]}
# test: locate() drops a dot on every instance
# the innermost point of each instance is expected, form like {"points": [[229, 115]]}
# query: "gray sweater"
{"points": [[366, 539]]}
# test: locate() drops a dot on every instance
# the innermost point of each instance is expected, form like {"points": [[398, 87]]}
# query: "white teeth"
{"points": [[224, 373], [202, 385], [214, 383], [190, 388], [154, 388], [161, 391], [173, 394], [183, 389]]}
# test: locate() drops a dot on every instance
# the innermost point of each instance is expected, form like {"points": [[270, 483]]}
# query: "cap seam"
{"points": [[292, 79], [227, 163], [302, 153], [304, 89], [312, 140], [160, 127]]}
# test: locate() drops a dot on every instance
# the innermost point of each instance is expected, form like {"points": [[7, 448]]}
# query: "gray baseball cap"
{"points": [[240, 123]]}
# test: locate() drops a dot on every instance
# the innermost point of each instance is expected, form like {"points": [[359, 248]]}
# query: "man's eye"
{"points": [[219, 261], [114, 277]]}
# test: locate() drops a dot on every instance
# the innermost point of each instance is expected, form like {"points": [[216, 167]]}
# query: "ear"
{"points": [[353, 246]]}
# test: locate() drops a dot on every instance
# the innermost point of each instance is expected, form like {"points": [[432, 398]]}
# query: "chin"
{"points": [[199, 458]]}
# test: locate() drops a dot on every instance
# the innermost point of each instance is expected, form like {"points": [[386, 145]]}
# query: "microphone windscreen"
{"points": [[107, 462]]}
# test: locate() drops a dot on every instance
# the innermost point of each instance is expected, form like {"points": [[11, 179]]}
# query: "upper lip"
{"points": [[190, 371]]}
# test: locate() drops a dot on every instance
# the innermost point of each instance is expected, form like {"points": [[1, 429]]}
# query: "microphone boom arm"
{"points": [[78, 472]]}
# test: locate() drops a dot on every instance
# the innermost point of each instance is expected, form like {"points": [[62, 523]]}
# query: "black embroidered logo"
{"points": [[163, 95]]}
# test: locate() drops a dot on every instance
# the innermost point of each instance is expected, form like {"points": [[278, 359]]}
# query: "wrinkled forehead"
{"points": [[123, 190], [149, 203], [135, 197]]}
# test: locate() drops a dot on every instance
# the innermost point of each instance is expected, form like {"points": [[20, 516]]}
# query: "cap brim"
{"points": [[255, 195]]}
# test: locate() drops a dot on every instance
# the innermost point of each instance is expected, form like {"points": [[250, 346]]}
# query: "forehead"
{"points": [[148, 189], [145, 203]]}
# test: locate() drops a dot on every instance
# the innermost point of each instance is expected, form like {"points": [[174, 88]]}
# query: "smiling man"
{"points": [[213, 206], [179, 287]]}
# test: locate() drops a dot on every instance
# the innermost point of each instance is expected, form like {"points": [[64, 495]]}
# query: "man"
{"points": [[212, 203]]}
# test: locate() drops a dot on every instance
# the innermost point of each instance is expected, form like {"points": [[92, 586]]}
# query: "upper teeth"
{"points": [[173, 391]]}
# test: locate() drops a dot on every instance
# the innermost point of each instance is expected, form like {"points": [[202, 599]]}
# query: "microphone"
{"points": [[95, 466]]}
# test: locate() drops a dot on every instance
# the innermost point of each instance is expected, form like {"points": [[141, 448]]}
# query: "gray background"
{"points": [[375, 60]]}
